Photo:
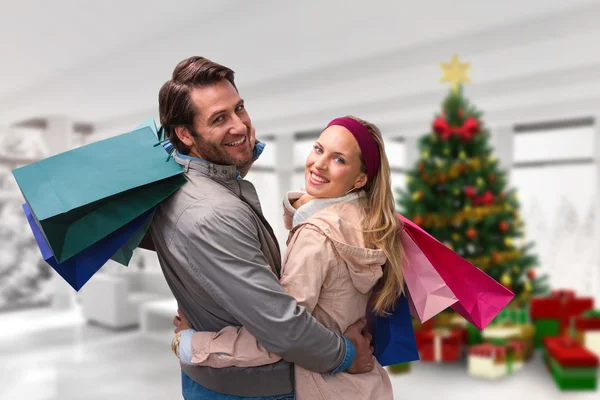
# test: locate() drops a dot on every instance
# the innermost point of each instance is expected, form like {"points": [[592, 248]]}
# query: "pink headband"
{"points": [[367, 145]]}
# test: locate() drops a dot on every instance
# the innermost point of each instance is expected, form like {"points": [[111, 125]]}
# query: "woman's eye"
{"points": [[318, 149], [340, 160]]}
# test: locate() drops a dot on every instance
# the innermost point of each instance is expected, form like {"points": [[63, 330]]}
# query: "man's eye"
{"points": [[219, 119], [240, 108]]}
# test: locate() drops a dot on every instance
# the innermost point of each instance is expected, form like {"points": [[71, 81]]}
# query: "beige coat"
{"points": [[330, 272]]}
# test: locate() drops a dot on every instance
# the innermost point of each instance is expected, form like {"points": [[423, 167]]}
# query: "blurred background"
{"points": [[75, 73]]}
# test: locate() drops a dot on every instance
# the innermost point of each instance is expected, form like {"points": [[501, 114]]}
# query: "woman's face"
{"points": [[333, 167]]}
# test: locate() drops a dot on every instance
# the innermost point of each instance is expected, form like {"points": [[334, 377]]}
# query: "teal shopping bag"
{"points": [[81, 196]]}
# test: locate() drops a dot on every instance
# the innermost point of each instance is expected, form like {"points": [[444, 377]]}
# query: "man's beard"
{"points": [[216, 154]]}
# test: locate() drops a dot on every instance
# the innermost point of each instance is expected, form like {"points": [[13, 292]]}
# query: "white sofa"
{"points": [[116, 300]]}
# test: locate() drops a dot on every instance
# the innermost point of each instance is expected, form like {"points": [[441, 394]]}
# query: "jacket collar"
{"points": [[199, 166]]}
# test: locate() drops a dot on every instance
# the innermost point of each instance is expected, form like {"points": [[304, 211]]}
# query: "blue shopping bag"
{"points": [[394, 336], [78, 269]]}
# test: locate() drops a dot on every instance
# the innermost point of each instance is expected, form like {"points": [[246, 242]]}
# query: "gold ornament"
{"points": [[505, 279], [468, 208], [527, 286], [508, 207], [439, 163], [455, 72], [462, 155], [480, 181], [409, 179], [456, 192], [425, 154], [491, 159], [516, 269], [508, 242], [455, 237], [417, 195], [446, 151]]}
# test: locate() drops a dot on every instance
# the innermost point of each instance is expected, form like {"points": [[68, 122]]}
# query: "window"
{"points": [[556, 179]]}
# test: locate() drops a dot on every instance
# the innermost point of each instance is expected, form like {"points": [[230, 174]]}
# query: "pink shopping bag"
{"points": [[480, 298]]}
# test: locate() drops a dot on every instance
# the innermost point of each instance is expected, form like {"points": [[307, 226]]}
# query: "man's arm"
{"points": [[224, 252]]}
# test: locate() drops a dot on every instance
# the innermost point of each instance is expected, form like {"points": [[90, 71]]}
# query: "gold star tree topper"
{"points": [[455, 72]]}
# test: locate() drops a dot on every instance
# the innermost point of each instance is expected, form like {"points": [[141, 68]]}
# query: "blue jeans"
{"points": [[193, 391]]}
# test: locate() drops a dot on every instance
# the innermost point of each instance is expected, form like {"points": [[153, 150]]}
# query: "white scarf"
{"points": [[309, 209]]}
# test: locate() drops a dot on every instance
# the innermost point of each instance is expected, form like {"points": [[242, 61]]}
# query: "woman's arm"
{"points": [[231, 346], [306, 267]]}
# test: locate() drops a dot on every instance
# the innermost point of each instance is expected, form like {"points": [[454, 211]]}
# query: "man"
{"points": [[218, 253]]}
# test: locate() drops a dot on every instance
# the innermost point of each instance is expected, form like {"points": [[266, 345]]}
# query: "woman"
{"points": [[343, 242]]}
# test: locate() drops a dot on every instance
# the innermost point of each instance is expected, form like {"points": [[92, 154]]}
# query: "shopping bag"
{"points": [[480, 298], [427, 293], [78, 269], [394, 336], [81, 196]]}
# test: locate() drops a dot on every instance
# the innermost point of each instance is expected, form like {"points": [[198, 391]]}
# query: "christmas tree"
{"points": [[457, 193]]}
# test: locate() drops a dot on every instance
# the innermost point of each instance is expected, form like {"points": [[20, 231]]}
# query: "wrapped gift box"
{"points": [[572, 366], [502, 334], [512, 315], [439, 345], [587, 331], [519, 352], [552, 315], [490, 361], [474, 335]]}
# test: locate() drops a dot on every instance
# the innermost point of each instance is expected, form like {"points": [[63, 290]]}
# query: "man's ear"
{"points": [[184, 135]]}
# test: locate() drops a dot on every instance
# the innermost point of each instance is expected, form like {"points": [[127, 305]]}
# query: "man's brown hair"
{"points": [[174, 103]]}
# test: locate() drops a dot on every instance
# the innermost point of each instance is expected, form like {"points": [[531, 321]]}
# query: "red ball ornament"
{"points": [[495, 257], [531, 274], [418, 220], [503, 225], [471, 233], [488, 197], [470, 191]]}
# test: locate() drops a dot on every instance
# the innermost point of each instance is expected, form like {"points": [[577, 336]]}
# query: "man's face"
{"points": [[222, 126]]}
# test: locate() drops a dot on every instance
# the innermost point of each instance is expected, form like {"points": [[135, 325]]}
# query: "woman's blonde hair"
{"points": [[381, 227]]}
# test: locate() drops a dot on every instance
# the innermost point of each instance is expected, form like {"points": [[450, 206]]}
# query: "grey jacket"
{"points": [[222, 263]]}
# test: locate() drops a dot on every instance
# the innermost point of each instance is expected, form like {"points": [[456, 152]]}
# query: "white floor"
{"points": [[54, 355]]}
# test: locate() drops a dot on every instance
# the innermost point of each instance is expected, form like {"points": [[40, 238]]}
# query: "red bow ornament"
{"points": [[466, 131]]}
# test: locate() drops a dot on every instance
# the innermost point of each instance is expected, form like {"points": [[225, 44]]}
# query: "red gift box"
{"points": [[488, 350], [585, 323], [569, 353], [562, 305], [439, 345]]}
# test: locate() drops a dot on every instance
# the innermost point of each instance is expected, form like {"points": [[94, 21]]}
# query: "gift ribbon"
{"points": [[466, 131], [591, 314]]}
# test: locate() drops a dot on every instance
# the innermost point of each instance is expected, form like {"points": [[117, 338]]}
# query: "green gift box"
{"points": [[517, 316]]}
